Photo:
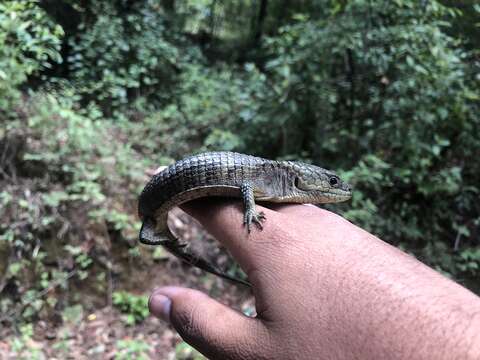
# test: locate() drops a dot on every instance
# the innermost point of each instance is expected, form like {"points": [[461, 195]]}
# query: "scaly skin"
{"points": [[232, 175]]}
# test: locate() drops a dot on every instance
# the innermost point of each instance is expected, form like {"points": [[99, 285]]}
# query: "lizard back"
{"points": [[219, 173]]}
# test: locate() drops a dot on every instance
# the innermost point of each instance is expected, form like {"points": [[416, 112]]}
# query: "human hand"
{"points": [[324, 288]]}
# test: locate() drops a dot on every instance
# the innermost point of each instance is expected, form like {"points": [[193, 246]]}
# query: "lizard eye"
{"points": [[333, 181], [296, 182]]}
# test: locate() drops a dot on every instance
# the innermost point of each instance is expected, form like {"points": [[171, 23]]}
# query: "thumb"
{"points": [[214, 329]]}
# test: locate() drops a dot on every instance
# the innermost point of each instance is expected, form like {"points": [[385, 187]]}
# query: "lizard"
{"points": [[230, 174]]}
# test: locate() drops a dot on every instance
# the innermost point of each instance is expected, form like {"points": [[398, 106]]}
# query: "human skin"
{"points": [[324, 289]]}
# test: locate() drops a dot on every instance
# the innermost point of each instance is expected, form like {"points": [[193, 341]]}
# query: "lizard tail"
{"points": [[180, 251], [149, 236]]}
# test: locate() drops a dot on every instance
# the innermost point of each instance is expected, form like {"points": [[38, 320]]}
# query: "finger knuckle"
{"points": [[189, 322]]}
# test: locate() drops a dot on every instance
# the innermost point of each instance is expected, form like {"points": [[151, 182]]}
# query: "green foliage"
{"points": [[62, 192], [29, 41], [209, 120], [183, 351], [133, 306], [73, 314], [24, 347], [132, 349], [120, 52], [466, 25]]}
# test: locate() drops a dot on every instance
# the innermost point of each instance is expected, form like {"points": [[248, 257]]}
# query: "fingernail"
{"points": [[160, 306]]}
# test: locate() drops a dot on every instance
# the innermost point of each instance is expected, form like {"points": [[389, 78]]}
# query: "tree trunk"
{"points": [[262, 14]]}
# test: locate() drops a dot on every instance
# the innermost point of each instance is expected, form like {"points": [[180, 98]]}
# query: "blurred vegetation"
{"points": [[93, 93]]}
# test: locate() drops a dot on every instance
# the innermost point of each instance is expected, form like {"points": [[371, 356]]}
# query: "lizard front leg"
{"points": [[250, 214]]}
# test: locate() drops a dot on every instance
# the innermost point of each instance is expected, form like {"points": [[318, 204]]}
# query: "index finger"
{"points": [[257, 250]]}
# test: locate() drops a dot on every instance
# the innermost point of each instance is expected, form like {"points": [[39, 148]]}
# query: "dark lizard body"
{"points": [[232, 175]]}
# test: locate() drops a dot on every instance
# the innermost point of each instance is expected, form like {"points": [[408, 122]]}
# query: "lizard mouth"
{"points": [[339, 194]]}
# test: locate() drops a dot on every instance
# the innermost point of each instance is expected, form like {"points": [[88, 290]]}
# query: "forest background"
{"points": [[95, 95]]}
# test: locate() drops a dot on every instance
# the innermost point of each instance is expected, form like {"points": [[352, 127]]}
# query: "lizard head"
{"points": [[318, 185]]}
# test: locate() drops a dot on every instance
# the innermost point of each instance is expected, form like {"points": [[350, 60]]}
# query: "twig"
{"points": [[457, 241]]}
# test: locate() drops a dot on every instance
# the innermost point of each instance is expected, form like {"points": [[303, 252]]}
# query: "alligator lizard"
{"points": [[232, 175]]}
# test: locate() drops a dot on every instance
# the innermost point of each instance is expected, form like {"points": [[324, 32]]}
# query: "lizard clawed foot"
{"points": [[253, 216]]}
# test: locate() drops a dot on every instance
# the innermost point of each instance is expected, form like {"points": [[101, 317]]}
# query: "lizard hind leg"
{"points": [[250, 215], [150, 236]]}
